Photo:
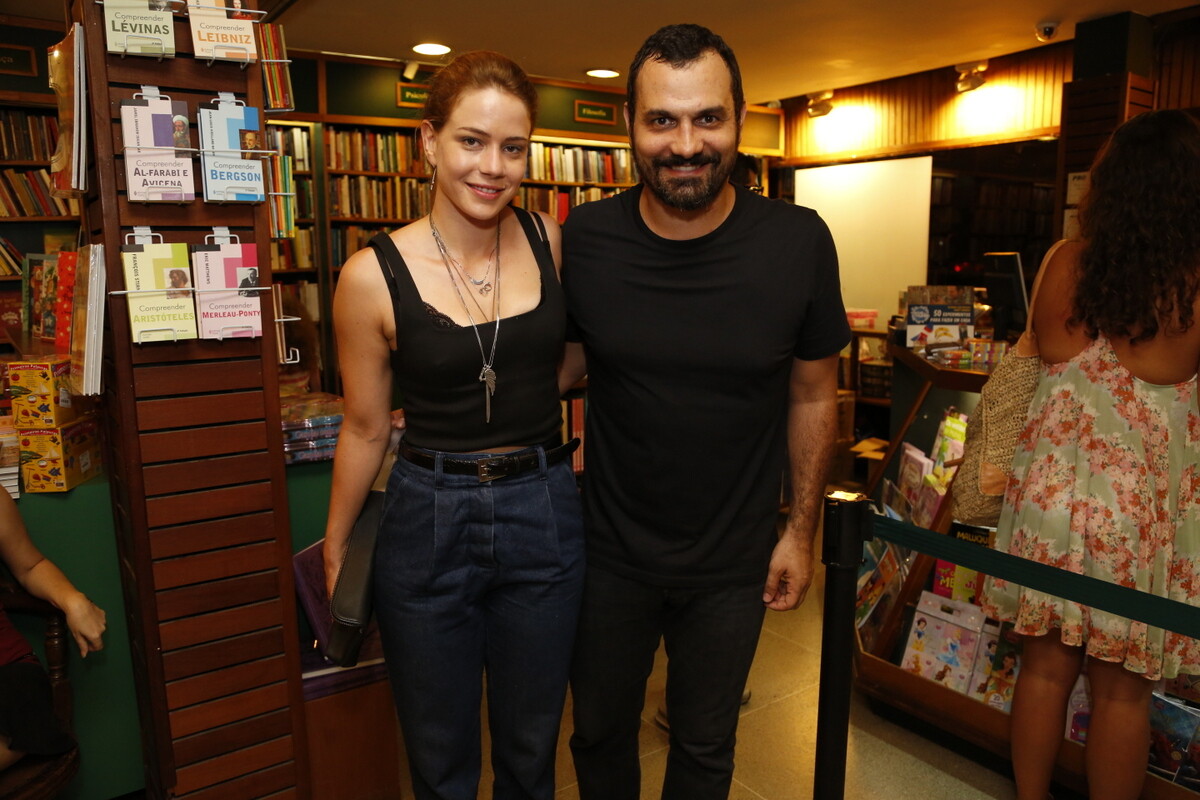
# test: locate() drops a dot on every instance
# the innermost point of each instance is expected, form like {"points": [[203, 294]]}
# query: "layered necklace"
{"points": [[487, 375]]}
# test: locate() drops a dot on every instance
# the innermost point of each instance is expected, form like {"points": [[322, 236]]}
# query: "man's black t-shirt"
{"points": [[689, 347]]}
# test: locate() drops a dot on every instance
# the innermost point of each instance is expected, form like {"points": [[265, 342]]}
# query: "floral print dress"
{"points": [[1110, 490]]}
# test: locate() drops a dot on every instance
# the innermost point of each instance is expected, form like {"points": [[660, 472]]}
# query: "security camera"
{"points": [[1045, 31]]}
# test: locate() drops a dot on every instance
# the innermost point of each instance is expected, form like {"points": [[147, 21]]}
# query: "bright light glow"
{"points": [[603, 73], [431, 49], [994, 108], [846, 127]]}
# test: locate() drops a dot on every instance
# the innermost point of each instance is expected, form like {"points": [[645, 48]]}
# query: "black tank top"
{"points": [[436, 363]]}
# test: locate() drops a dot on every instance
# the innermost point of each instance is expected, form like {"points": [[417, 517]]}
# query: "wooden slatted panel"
{"points": [[226, 739], [183, 476], [189, 691], [165, 380], [200, 442], [1177, 62], [174, 412], [179, 508], [213, 565], [218, 624], [271, 759], [228, 709], [216, 595], [226, 653], [920, 112], [211, 535]]}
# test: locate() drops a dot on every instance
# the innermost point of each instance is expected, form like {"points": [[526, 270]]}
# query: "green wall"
{"points": [[75, 530]]}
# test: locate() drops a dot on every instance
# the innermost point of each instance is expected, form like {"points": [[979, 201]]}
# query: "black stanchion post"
{"points": [[846, 514]]}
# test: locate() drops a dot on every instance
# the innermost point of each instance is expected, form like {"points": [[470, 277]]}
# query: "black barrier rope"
{"points": [[1160, 612], [849, 521]]}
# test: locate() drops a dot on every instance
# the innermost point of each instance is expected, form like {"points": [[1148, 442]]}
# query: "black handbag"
{"points": [[350, 605]]}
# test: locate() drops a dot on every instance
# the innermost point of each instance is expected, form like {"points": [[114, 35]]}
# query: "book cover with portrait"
{"points": [[155, 132], [229, 266], [159, 284], [230, 133]]}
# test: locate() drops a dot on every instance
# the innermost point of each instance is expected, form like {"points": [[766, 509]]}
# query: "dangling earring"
{"points": [[433, 179]]}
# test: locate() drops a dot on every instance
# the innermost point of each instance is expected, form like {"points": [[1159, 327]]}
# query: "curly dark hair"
{"points": [[678, 46], [1140, 224]]}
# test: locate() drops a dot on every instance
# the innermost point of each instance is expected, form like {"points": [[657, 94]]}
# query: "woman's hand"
{"points": [[87, 622]]}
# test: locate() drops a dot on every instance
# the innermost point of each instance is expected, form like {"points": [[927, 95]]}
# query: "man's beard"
{"points": [[685, 194]]}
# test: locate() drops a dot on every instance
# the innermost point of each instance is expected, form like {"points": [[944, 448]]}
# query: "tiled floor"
{"points": [[777, 733]]}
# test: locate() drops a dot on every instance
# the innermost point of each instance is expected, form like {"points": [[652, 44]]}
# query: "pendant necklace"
{"points": [[487, 375], [483, 285]]}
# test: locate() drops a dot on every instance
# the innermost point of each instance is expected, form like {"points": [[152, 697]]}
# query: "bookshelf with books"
{"points": [[32, 219]]}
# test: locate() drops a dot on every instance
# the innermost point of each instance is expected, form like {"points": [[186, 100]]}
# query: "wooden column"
{"points": [[195, 456]]}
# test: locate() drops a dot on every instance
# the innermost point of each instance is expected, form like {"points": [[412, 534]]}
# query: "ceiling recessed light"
{"points": [[603, 73], [431, 49]]}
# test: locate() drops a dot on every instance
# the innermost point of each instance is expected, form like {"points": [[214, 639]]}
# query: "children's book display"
{"points": [[231, 151], [880, 577], [227, 280], [943, 641], [158, 159]]}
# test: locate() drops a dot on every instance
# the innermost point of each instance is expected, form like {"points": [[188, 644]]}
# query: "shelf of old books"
{"points": [[924, 644]]}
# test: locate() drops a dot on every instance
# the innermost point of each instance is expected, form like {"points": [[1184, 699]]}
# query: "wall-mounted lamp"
{"points": [[970, 76], [410, 70], [820, 104]]}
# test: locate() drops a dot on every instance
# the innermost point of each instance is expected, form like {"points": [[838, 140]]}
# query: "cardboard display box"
{"points": [[59, 459]]}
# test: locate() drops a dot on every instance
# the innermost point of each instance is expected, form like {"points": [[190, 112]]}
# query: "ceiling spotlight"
{"points": [[603, 73], [970, 76], [820, 104], [431, 49], [410, 70]]}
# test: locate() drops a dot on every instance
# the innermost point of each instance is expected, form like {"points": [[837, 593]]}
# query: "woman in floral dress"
{"points": [[1107, 474]]}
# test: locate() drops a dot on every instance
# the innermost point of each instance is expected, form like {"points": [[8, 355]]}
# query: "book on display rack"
{"points": [[231, 151], [227, 264], [158, 281]]}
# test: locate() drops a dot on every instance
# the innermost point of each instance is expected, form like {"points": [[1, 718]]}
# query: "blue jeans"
{"points": [[710, 635], [471, 579]]}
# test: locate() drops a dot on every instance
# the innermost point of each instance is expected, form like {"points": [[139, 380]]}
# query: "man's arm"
{"points": [[811, 433], [573, 367]]}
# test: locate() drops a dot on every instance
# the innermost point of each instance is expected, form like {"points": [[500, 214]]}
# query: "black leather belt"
{"points": [[489, 468]]}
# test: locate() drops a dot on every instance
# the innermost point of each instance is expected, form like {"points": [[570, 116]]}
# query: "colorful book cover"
{"points": [[977, 687], [277, 78], [87, 321], [225, 314], [943, 641], [64, 293], [10, 310], [139, 28], [34, 277], [152, 128], [222, 29], [159, 280], [62, 69], [1172, 727], [228, 132], [1006, 666]]}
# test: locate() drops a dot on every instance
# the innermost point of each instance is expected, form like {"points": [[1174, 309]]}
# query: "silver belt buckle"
{"points": [[490, 469]]}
